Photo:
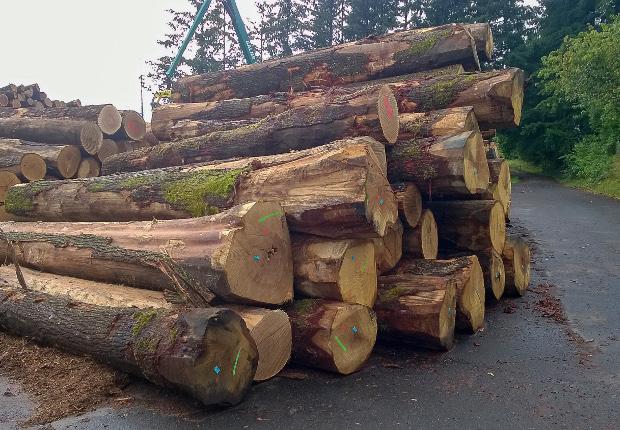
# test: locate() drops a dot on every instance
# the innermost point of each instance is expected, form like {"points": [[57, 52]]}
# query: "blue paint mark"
{"points": [[256, 258], [381, 202], [353, 257], [354, 330], [217, 370]]}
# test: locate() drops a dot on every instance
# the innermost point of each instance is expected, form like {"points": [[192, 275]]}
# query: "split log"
{"points": [[341, 270], [422, 241], [107, 117], [53, 132], [228, 254], [371, 58], [474, 225], [483, 36], [517, 260], [333, 336], [334, 191], [389, 248], [417, 309], [190, 350], [409, 203], [7, 180], [444, 122], [89, 168], [133, 126], [442, 168], [33, 161]]}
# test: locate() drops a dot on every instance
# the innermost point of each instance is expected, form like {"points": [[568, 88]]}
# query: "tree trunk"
{"points": [[228, 254], [409, 203], [389, 248], [53, 132], [7, 180], [360, 199], [417, 309], [444, 122], [107, 117], [341, 270], [465, 272], [89, 168], [333, 336], [422, 241], [371, 58], [445, 167], [34, 161], [474, 225], [483, 36], [517, 260], [190, 350]]}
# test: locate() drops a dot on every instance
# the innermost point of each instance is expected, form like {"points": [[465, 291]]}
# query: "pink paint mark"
{"points": [[388, 107]]}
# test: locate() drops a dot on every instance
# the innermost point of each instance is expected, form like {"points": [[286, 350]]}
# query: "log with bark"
{"points": [[442, 168], [389, 248], [33, 161], [7, 180], [417, 309], [409, 203], [333, 336], [422, 241], [54, 132], [335, 191], [206, 353], [232, 255], [443, 122], [517, 260], [341, 270], [371, 58]]}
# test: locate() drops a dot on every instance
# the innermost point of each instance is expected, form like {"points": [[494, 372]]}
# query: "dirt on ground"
{"points": [[60, 384], [548, 305]]}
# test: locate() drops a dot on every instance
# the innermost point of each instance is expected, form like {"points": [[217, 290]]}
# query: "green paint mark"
{"points": [[236, 361], [271, 215], [344, 348]]}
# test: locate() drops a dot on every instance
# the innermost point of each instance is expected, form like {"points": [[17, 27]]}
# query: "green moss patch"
{"points": [[142, 318], [421, 47]]}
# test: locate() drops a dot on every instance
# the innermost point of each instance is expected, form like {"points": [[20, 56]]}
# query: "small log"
{"points": [[341, 270], [33, 161], [389, 248], [232, 255], [475, 225], [108, 148], [501, 184], [422, 241], [7, 180], [333, 336], [517, 261], [494, 273], [483, 36], [89, 168], [417, 309], [189, 350], [442, 168], [409, 203], [53, 132], [444, 122]]}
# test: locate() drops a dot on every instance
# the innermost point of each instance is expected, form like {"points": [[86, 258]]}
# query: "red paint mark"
{"points": [[388, 107], [265, 232]]}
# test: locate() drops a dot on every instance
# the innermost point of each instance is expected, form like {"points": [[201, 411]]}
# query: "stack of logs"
{"points": [[178, 265], [23, 96]]}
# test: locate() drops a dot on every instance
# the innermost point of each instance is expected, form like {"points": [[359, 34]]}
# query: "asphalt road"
{"points": [[524, 371]]}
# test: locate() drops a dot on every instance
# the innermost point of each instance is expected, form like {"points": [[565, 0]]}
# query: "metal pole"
{"points": [[141, 95]]}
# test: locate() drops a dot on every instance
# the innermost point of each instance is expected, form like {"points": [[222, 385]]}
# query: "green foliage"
{"points": [[368, 17]]}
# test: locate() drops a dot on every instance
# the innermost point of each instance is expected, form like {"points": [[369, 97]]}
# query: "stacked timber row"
{"points": [[308, 198], [23, 96]]}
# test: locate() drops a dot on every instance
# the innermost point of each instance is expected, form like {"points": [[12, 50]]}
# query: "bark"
{"points": [[442, 168], [444, 122], [360, 200], [169, 348], [409, 203], [417, 309], [422, 241], [371, 58], [341, 270], [483, 36], [33, 161], [517, 260], [333, 336], [54, 132], [7, 180], [89, 168], [475, 225], [389, 248], [228, 254]]}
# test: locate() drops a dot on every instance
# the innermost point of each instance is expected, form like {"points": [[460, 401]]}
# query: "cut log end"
{"points": [[91, 138], [387, 106], [33, 167], [109, 120], [354, 333], [7, 180], [517, 261], [409, 203], [358, 275], [471, 300], [108, 148], [389, 248], [69, 160], [381, 205], [476, 168], [501, 183], [517, 96], [423, 241], [134, 125], [89, 168], [495, 276], [497, 227]]}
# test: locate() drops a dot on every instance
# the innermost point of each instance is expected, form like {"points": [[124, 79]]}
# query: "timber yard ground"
{"points": [[549, 360]]}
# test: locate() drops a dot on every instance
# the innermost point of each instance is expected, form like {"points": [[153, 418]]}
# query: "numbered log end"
{"points": [[517, 261], [409, 203], [109, 120], [91, 138], [7, 180], [387, 107], [422, 241]]}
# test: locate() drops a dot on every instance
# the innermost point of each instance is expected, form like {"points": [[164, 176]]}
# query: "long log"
{"points": [[474, 225], [389, 248], [417, 309], [333, 336], [54, 132], [422, 241], [409, 203], [33, 161], [360, 200], [232, 255], [192, 351], [7, 180], [445, 167], [443, 122], [517, 261]]}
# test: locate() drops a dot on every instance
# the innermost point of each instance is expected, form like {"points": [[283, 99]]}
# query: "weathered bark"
{"points": [[33, 161], [53, 132], [333, 336], [474, 225], [133, 126], [444, 122], [422, 241], [517, 260], [336, 191], [483, 36], [371, 58], [341, 270], [389, 248], [409, 203], [442, 168], [182, 350], [232, 255], [107, 117], [7, 180], [417, 309]]}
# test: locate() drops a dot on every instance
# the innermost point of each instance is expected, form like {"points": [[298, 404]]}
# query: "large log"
{"points": [[483, 36], [422, 241], [33, 161], [409, 203], [333, 336], [443, 167], [371, 58], [417, 309], [7, 180], [133, 126], [474, 225], [337, 190], [517, 260], [207, 353], [107, 117], [389, 248], [443, 122], [232, 255], [341, 270], [54, 132]]}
